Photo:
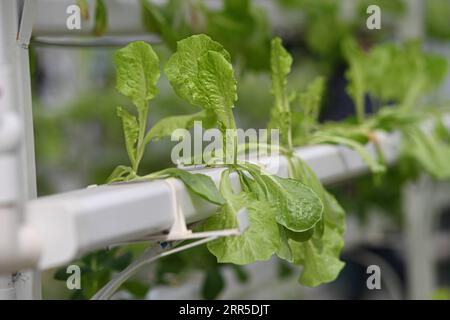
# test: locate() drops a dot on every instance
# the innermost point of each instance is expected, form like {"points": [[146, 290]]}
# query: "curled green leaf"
{"points": [[300, 209]]}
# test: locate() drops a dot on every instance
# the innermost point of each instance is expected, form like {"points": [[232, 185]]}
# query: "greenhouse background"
{"points": [[396, 203]]}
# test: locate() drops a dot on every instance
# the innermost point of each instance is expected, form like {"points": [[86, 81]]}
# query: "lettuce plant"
{"points": [[294, 218], [201, 73], [396, 78], [321, 245], [138, 72]]}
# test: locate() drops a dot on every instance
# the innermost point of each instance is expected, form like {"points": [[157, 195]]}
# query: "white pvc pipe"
{"points": [[18, 244], [419, 214], [9, 142], [412, 26]]}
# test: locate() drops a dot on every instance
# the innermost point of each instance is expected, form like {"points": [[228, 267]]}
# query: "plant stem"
{"points": [[360, 112], [141, 144], [231, 125]]}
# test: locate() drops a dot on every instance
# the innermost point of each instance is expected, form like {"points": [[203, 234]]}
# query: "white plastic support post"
{"points": [[419, 215], [412, 26], [423, 201], [27, 282], [19, 245], [9, 124]]}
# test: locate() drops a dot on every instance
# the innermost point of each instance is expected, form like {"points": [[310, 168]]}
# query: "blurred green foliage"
{"points": [[242, 27], [437, 18], [441, 294]]}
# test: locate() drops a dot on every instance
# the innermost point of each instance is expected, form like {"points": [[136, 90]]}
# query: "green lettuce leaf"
{"points": [[280, 62], [137, 68], [319, 255], [356, 75], [431, 152], [311, 98], [200, 72], [259, 190], [200, 184], [258, 243], [182, 68], [305, 121], [392, 73], [138, 72], [217, 85], [299, 208]]}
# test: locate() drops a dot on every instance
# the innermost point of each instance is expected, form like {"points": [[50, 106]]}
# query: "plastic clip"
{"points": [[180, 230]]}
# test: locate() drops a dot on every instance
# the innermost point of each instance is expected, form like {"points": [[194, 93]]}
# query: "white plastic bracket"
{"points": [[180, 230]]}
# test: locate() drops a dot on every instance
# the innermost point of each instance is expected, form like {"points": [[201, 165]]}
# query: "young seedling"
{"points": [[138, 72]]}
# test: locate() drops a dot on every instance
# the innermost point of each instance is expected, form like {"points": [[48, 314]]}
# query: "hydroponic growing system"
{"points": [[37, 234]]}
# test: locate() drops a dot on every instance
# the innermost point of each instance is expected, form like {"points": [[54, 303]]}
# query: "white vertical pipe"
{"points": [[418, 197], [419, 211], [347, 10], [412, 26], [16, 159], [9, 157], [25, 102], [28, 284]]}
